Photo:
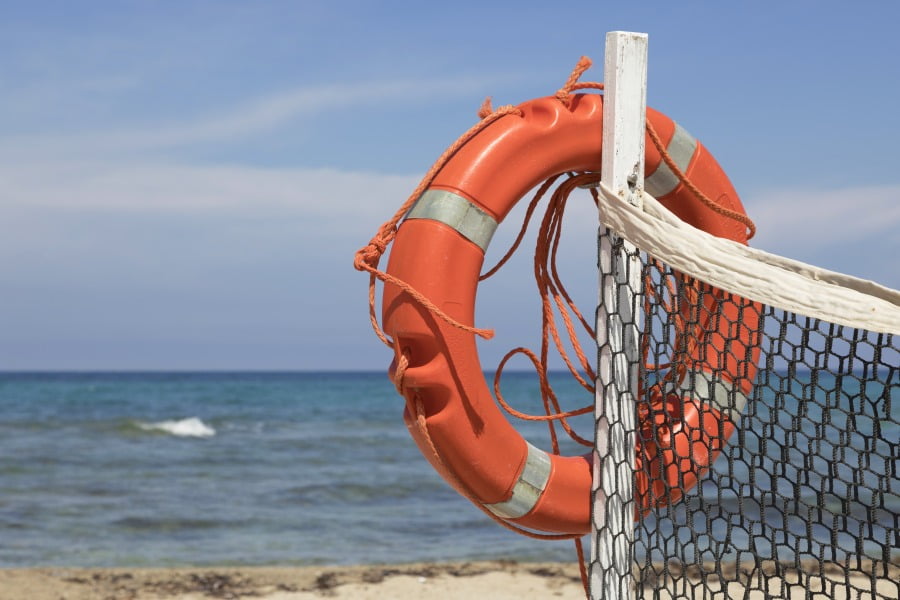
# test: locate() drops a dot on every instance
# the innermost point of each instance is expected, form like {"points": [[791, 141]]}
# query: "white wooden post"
{"points": [[617, 326]]}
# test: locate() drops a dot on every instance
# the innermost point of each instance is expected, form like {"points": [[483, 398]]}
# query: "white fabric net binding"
{"points": [[804, 499]]}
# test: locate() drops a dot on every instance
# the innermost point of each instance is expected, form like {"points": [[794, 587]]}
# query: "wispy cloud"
{"points": [[817, 219], [257, 115], [324, 196], [851, 230]]}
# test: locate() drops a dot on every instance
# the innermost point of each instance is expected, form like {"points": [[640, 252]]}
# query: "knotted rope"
{"points": [[554, 297], [368, 258]]}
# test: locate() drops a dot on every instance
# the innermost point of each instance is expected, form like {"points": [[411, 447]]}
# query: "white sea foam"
{"points": [[190, 427]]}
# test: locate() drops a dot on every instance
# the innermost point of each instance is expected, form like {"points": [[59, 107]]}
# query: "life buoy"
{"points": [[439, 250]]}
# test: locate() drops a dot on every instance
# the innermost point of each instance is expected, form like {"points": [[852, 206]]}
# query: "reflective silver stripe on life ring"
{"points": [[455, 211], [528, 489], [681, 149], [726, 397]]}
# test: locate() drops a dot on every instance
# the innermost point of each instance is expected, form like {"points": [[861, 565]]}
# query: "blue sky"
{"points": [[183, 185]]}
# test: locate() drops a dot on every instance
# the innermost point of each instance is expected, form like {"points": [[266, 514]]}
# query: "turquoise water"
{"points": [[318, 468], [302, 468]]}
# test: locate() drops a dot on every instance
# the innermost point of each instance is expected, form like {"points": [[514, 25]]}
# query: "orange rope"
{"points": [[548, 395], [564, 94], [551, 285], [368, 257], [418, 409], [528, 214], [553, 294], [682, 296], [712, 205]]}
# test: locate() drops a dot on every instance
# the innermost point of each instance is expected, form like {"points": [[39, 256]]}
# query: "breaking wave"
{"points": [[190, 427]]}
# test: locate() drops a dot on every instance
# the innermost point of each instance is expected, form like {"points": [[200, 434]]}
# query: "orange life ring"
{"points": [[439, 251]]}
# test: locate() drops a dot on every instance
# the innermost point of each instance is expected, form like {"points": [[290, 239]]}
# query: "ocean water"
{"points": [[162, 469]]}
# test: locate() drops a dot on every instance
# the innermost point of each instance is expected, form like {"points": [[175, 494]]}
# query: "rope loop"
{"points": [[400, 371], [556, 303], [706, 200], [368, 258], [417, 408], [676, 294], [554, 297]]}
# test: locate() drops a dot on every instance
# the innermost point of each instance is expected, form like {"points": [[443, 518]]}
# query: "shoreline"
{"points": [[440, 581], [500, 580]]}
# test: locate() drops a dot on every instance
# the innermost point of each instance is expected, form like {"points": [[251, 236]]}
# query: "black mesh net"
{"points": [[768, 450]]}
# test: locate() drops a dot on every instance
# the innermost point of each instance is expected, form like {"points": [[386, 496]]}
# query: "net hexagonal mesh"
{"points": [[768, 448]]}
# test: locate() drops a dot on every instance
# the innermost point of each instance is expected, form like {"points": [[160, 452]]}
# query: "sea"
{"points": [[168, 469], [254, 468]]}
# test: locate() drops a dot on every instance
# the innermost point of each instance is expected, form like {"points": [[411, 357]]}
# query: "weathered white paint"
{"points": [[622, 173]]}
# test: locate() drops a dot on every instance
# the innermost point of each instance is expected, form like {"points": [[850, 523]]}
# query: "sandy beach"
{"points": [[505, 580], [501, 580]]}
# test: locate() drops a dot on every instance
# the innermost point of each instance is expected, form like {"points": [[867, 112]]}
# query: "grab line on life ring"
{"points": [[438, 252], [475, 225]]}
